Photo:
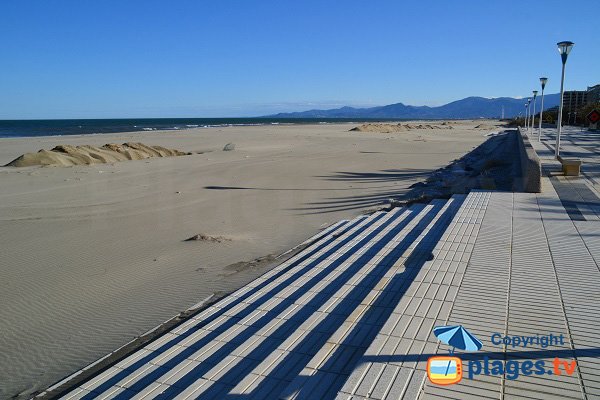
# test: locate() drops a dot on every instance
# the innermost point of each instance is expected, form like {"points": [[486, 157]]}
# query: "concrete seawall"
{"points": [[529, 177]]}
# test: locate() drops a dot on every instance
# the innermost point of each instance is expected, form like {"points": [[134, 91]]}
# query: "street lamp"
{"points": [[526, 117], [543, 82], [564, 48], [535, 92], [528, 113]]}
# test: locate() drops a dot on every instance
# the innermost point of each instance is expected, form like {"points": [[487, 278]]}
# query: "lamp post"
{"points": [[543, 82], [535, 92], [528, 114], [564, 48], [526, 117]]}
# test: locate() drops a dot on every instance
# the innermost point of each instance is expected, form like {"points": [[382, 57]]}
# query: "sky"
{"points": [[228, 58]]}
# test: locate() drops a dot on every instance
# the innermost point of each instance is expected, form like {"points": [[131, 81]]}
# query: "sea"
{"points": [[65, 127]]}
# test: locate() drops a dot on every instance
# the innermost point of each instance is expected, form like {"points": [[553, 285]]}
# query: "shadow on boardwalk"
{"points": [[291, 364], [492, 355], [344, 358]]}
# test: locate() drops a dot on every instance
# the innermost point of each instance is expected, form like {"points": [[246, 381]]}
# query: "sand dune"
{"points": [[391, 128], [66, 155]]}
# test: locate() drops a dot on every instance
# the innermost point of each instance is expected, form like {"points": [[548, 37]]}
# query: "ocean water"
{"points": [[24, 128]]}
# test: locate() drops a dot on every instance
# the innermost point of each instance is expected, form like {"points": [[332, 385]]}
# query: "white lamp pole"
{"points": [[535, 92], [528, 114], [543, 82], [526, 117], [564, 48]]}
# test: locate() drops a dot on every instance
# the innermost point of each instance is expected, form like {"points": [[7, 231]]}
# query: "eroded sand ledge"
{"points": [[67, 155]]}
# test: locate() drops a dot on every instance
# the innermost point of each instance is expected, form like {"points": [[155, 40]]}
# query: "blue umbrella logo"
{"points": [[457, 337]]}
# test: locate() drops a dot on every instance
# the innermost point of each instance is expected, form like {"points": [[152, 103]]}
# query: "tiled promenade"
{"points": [[579, 195], [351, 316]]}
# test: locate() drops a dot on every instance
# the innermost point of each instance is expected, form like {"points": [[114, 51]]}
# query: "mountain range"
{"points": [[467, 108]]}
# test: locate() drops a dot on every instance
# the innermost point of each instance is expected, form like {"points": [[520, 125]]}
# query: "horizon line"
{"points": [[274, 114]]}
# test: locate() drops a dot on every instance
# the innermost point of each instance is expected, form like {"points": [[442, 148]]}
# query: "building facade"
{"points": [[574, 99], [593, 94]]}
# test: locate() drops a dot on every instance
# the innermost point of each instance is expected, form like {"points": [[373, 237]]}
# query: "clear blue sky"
{"points": [[193, 58]]}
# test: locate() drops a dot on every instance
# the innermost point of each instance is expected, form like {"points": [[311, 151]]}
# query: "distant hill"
{"points": [[470, 107]]}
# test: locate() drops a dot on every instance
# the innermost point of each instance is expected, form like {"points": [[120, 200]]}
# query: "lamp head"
{"points": [[543, 82], [535, 92], [564, 48]]}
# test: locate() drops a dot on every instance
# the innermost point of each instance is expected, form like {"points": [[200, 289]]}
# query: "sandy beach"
{"points": [[95, 255]]}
